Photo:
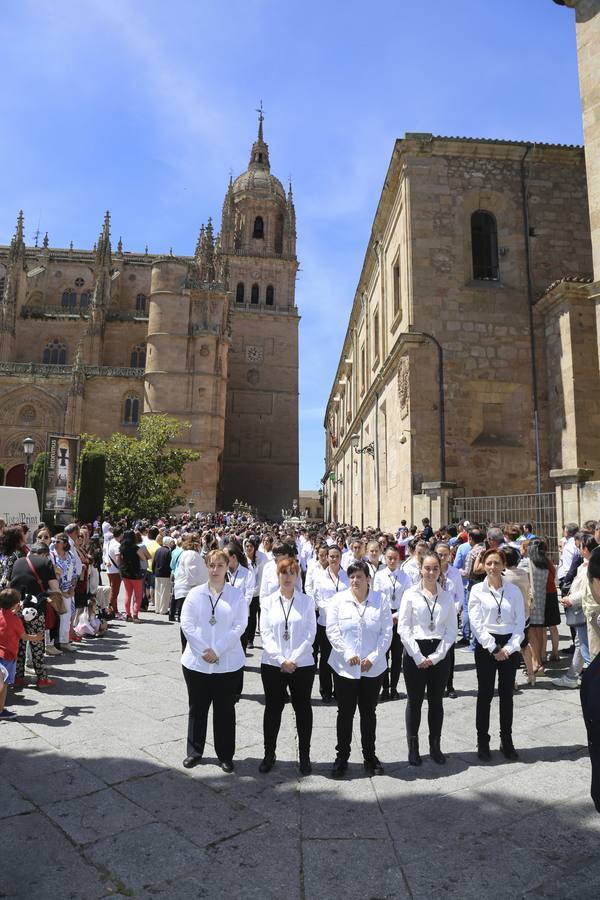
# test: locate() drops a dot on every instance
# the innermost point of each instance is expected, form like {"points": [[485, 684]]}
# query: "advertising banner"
{"points": [[61, 475]]}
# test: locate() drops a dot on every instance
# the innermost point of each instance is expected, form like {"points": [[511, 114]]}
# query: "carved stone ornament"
{"points": [[204, 350], [403, 386]]}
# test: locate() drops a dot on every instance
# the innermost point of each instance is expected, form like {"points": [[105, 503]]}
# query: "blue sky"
{"points": [[144, 107]]}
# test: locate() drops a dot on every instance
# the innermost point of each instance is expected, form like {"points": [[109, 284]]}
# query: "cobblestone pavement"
{"points": [[95, 802]]}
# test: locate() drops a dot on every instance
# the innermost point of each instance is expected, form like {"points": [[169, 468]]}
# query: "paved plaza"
{"points": [[95, 802]]}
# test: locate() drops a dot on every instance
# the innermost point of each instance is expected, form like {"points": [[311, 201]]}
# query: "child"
{"points": [[12, 631]]}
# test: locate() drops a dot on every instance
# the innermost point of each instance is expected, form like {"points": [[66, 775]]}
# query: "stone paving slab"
{"points": [[95, 800]]}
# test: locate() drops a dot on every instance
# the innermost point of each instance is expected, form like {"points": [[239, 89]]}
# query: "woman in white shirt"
{"points": [[497, 617], [392, 582], [213, 619], [191, 571], [427, 626], [451, 582], [288, 631], [242, 579], [359, 628], [254, 562], [373, 559], [329, 582]]}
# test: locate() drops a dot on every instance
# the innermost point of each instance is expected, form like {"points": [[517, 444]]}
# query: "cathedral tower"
{"points": [[258, 238]]}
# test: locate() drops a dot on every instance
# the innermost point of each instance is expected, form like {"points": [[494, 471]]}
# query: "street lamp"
{"points": [[28, 448], [369, 448]]}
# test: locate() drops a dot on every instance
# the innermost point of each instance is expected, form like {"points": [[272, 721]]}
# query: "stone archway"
{"points": [[15, 477]]}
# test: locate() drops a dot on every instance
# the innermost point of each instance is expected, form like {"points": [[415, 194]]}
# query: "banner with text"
{"points": [[61, 474]]}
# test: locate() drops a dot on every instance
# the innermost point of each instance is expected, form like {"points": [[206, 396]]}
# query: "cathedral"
{"points": [[92, 339]]}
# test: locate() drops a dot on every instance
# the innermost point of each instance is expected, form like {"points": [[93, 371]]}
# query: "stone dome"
{"points": [[260, 181]]}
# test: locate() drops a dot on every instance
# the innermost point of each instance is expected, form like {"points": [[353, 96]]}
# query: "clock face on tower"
{"points": [[253, 353]]}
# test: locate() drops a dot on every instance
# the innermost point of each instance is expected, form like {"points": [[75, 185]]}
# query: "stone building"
{"points": [[578, 487], [467, 237], [90, 339]]}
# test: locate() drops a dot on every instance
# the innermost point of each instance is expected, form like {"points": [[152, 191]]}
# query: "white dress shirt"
{"points": [[392, 584], [301, 627], [245, 580], [416, 615], [374, 569], [359, 629], [327, 585], [566, 558], [190, 572], [270, 580], [348, 558], [231, 615], [454, 586], [487, 605], [410, 567], [312, 573]]}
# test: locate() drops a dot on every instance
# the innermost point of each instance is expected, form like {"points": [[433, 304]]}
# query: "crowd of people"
{"points": [[355, 610]]}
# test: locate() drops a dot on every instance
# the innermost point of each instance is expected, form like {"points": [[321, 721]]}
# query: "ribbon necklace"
{"points": [[213, 606], [286, 632], [430, 610]]}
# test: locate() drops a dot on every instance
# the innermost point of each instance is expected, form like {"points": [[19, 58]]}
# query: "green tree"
{"points": [[90, 489], [35, 478], [144, 474]]}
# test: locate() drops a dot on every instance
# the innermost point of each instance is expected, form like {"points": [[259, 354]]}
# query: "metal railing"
{"points": [[538, 509]]}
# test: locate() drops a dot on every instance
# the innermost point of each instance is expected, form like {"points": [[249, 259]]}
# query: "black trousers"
{"points": [[325, 671], [433, 679], [451, 657], [275, 683], [390, 681], [350, 693], [253, 617], [219, 691], [487, 667], [590, 707], [175, 608]]}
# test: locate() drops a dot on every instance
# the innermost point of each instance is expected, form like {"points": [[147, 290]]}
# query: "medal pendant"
{"points": [[431, 626], [212, 621], [286, 635], [498, 620]]}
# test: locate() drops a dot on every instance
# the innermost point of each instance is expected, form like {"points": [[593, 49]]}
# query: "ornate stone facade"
{"points": [[91, 339]]}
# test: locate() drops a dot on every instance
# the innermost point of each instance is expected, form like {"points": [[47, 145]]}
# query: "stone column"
{"points": [[439, 493], [572, 500]]}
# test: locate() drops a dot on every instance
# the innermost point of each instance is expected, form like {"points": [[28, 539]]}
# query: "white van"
{"points": [[19, 505]]}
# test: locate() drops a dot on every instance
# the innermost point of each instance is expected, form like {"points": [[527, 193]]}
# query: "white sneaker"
{"points": [[566, 682], [52, 651], [30, 670]]}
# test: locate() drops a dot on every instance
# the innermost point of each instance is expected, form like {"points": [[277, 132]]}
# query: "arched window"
{"points": [[254, 294], [140, 303], [69, 299], [131, 411], [138, 357], [239, 292], [484, 245], [84, 299], [270, 297], [55, 353], [259, 228]]}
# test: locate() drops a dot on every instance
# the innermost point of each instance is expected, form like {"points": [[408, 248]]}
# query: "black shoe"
{"points": [[414, 758], [373, 766], [384, 696], [267, 763], [226, 765], [507, 748], [339, 767], [435, 751], [451, 693], [570, 650], [191, 761], [483, 750], [305, 765], [394, 695], [327, 698]]}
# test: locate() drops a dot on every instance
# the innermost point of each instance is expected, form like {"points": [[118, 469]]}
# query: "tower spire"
{"points": [[259, 157], [261, 118]]}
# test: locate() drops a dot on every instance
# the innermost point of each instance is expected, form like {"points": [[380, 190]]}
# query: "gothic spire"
{"points": [[17, 245], [259, 157], [103, 248]]}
